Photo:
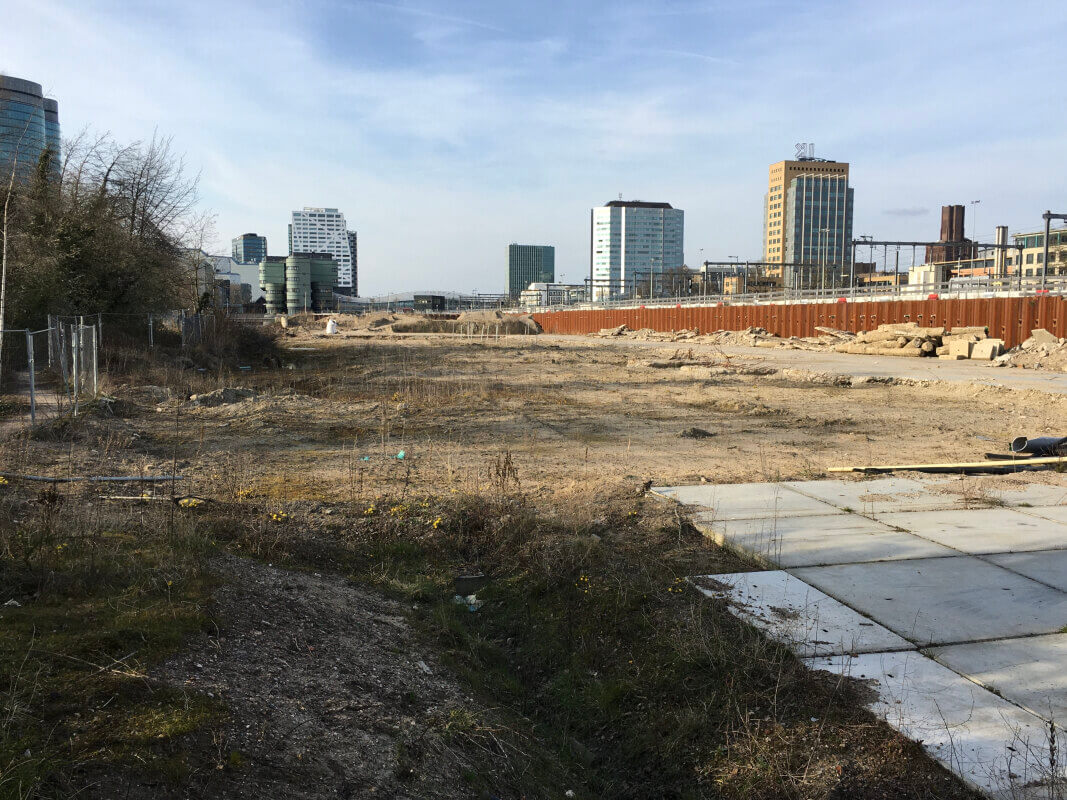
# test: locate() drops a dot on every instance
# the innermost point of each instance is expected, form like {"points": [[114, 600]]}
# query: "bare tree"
{"points": [[111, 234]]}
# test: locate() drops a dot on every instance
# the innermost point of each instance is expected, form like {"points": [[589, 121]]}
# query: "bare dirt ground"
{"points": [[330, 695], [571, 414]]}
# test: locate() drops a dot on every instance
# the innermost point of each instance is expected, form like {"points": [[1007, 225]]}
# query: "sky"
{"points": [[446, 130]]}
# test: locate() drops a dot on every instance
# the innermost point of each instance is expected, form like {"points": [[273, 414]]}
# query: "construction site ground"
{"points": [[366, 472]]}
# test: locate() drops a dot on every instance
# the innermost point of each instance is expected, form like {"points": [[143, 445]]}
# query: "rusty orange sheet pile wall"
{"points": [[1008, 318]]}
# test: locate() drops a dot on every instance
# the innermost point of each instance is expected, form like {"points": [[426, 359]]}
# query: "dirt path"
{"points": [[328, 694]]}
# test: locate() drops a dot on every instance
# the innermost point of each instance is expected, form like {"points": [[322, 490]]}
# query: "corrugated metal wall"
{"points": [[1008, 318]]}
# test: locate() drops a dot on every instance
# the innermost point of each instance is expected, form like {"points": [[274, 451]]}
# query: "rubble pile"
{"points": [[909, 340], [1042, 350]]}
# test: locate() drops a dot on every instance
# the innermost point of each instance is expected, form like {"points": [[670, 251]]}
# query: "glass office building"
{"points": [[249, 248], [818, 218], [29, 123], [631, 244], [529, 263]]}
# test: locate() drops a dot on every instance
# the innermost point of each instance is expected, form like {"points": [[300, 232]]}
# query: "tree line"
{"points": [[103, 227]]}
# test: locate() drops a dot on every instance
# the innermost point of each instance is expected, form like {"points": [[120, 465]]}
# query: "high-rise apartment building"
{"points": [[323, 230], [29, 123], [249, 248], [807, 216], [630, 243], [529, 263]]}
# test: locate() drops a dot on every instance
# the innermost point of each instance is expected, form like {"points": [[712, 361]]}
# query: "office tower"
{"points": [[29, 123], [807, 216], [630, 243], [249, 248], [323, 230], [529, 263]]}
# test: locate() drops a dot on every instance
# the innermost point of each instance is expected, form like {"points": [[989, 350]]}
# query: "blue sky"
{"points": [[444, 131]]}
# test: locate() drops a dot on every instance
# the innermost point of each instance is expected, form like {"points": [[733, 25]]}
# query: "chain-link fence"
{"points": [[60, 367]]}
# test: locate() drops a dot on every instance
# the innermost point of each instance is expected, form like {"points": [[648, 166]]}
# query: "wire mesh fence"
{"points": [[59, 368]]}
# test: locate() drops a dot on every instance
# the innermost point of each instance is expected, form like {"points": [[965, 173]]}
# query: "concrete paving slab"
{"points": [[943, 600], [1034, 494], [993, 744], [981, 531], [747, 500], [1054, 513], [1046, 566], [1031, 672], [795, 614], [812, 541], [878, 496]]}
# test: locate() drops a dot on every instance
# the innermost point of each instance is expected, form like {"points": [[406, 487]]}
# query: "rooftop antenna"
{"points": [[620, 195]]}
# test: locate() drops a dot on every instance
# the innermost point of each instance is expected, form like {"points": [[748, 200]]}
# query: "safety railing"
{"points": [[968, 288]]}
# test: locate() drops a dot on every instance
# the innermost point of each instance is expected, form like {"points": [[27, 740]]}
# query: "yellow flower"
{"points": [[190, 502], [279, 516], [3, 480], [437, 523]]}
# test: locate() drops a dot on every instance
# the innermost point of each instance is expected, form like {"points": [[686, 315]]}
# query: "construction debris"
{"points": [[909, 340], [1041, 351]]}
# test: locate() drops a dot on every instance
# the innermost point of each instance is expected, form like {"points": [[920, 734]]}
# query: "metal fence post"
{"points": [[99, 330], [96, 362], [75, 336], [150, 342], [33, 378], [61, 355]]}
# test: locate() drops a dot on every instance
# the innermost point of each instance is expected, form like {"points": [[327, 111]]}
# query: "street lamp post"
{"points": [[822, 253]]}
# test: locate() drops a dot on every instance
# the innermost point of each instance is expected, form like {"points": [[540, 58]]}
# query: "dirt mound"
{"points": [[478, 323], [328, 690], [222, 397]]}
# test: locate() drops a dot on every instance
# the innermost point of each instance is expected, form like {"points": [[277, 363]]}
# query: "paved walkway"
{"points": [[861, 365], [953, 606]]}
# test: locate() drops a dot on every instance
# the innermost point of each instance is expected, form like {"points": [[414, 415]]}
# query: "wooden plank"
{"points": [[965, 466]]}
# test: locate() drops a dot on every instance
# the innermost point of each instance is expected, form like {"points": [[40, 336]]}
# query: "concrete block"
{"points": [[953, 358], [793, 613], [1040, 336], [935, 601], [960, 346], [987, 349]]}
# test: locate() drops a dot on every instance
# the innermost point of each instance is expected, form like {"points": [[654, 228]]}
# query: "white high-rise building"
{"points": [[630, 243], [323, 230]]}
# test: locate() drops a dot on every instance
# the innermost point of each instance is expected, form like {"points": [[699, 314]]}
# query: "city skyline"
{"points": [[522, 120]]}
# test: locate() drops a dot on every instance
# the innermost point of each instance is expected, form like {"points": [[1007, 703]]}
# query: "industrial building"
{"points": [[953, 229], [529, 263], [29, 124], [324, 230], [633, 243], [298, 283], [807, 220]]}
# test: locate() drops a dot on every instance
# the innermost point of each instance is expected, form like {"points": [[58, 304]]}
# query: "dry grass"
{"points": [[523, 461]]}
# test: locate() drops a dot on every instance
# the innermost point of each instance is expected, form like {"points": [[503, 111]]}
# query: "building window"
{"points": [[1029, 260]]}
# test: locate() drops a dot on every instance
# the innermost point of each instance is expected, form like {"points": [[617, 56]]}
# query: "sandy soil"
{"points": [[572, 413]]}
